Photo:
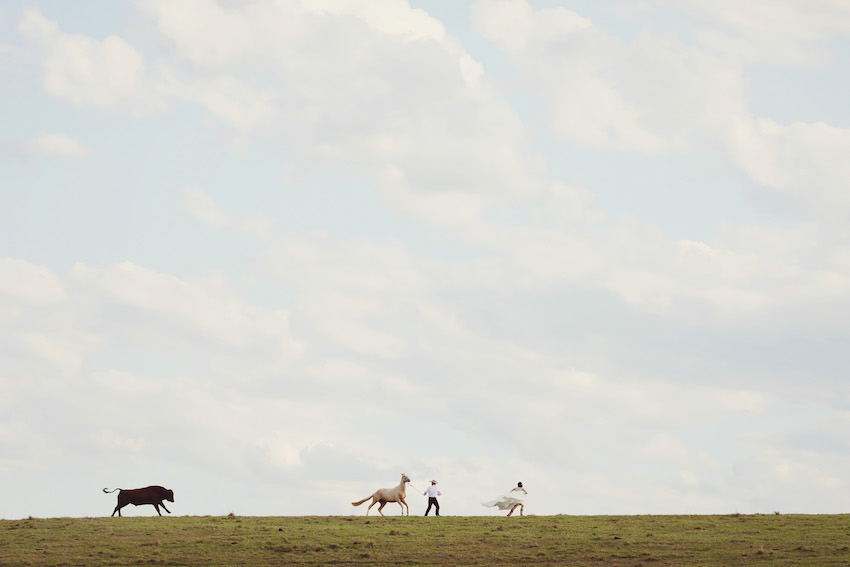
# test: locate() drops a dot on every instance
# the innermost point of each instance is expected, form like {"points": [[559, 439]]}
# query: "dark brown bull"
{"points": [[151, 495]]}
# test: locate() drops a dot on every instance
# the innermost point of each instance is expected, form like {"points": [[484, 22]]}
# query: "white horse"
{"points": [[384, 495]]}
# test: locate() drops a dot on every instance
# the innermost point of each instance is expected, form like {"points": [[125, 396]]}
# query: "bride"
{"points": [[512, 500]]}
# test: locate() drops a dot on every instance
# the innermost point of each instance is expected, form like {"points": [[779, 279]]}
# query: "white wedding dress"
{"points": [[507, 501]]}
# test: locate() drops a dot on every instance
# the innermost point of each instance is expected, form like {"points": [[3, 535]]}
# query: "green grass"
{"points": [[357, 540]]}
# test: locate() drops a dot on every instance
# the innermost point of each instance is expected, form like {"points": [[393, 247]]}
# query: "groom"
{"points": [[432, 492]]}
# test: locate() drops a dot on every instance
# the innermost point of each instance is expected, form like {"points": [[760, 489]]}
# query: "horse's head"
{"points": [[404, 478]]}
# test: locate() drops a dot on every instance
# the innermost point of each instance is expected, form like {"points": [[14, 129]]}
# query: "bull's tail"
{"points": [[361, 502], [111, 491]]}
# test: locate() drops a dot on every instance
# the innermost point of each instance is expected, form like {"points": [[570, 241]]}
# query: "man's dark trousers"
{"points": [[432, 501]]}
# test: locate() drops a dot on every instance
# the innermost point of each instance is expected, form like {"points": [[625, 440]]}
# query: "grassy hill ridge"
{"points": [[461, 540]]}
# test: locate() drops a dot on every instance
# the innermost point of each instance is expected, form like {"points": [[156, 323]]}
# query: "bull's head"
{"points": [[169, 495]]}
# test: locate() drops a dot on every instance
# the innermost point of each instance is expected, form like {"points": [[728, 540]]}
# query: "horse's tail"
{"points": [[361, 502], [111, 491]]}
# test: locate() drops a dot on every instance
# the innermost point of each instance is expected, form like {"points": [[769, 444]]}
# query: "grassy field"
{"points": [[358, 540]]}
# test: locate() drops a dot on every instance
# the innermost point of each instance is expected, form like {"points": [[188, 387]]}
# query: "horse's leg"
{"points": [[402, 504], [381, 507], [370, 506]]}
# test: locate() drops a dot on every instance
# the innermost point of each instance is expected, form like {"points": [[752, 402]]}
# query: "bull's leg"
{"points": [[163, 506], [155, 505], [117, 509]]}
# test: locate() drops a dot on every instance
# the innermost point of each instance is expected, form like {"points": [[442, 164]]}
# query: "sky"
{"points": [[271, 254]]}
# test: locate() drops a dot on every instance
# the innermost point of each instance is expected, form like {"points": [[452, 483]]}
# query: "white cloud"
{"points": [[690, 479], [516, 23], [29, 282], [56, 145], [657, 96], [803, 160], [788, 32], [264, 74], [394, 17], [109, 74], [201, 206], [648, 95], [741, 400], [125, 383], [256, 69], [228, 100], [53, 350], [206, 308]]}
